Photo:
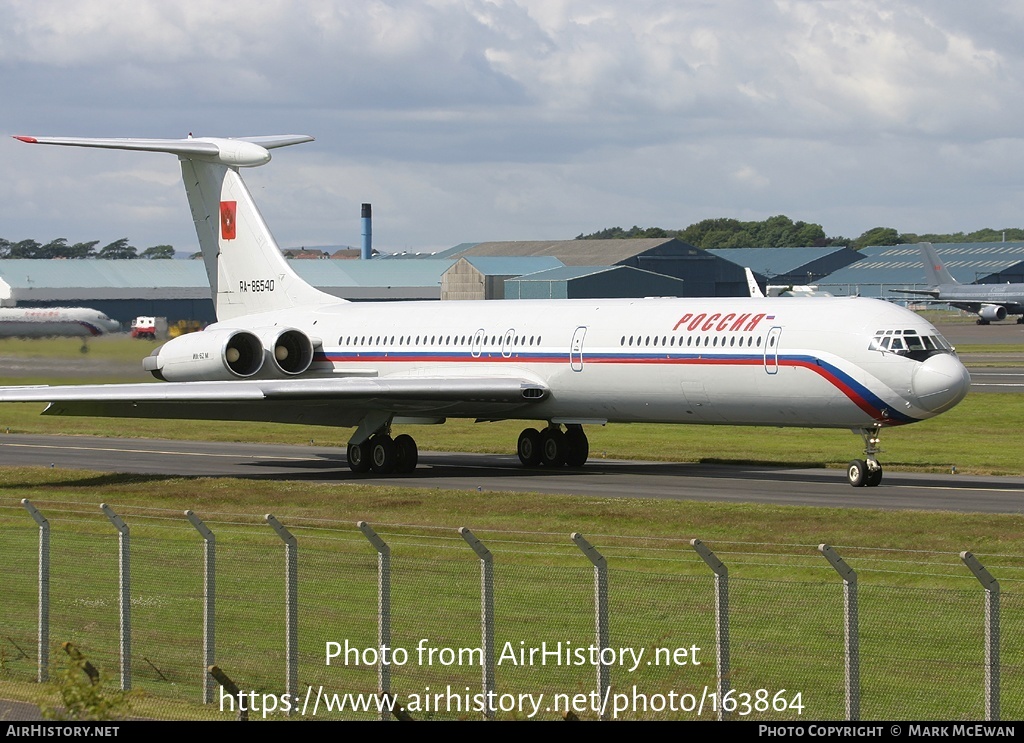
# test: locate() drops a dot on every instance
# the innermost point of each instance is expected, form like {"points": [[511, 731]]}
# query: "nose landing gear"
{"points": [[866, 472]]}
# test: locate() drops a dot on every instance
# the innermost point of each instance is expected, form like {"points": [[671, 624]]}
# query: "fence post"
{"points": [[851, 631], [991, 586], [124, 594], [486, 613], [43, 629], [721, 619], [383, 611], [600, 610], [209, 602], [291, 602]]}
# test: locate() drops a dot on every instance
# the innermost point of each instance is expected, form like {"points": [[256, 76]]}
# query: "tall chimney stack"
{"points": [[367, 234]]}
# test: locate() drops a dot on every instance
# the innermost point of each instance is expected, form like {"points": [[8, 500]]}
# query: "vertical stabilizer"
{"points": [[247, 272], [933, 268]]}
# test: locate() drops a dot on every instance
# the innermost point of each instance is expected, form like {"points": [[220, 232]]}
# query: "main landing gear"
{"points": [[866, 472], [384, 455], [553, 447]]}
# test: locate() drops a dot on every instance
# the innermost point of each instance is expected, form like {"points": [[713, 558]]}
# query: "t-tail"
{"points": [[247, 272], [933, 268]]}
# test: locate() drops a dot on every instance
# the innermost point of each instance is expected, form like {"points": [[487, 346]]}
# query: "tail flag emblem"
{"points": [[227, 219]]}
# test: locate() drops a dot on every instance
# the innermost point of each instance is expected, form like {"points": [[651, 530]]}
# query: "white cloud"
{"points": [[536, 118]]}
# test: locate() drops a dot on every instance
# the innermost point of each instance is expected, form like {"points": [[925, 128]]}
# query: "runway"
{"points": [[496, 473], [1008, 379]]}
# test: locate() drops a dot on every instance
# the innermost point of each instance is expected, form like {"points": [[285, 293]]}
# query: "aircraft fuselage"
{"points": [[792, 362]]}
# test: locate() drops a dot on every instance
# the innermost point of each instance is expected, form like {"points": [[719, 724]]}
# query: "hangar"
{"points": [[178, 289], [702, 273], [883, 268]]}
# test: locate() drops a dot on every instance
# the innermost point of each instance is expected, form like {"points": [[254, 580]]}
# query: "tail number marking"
{"points": [[256, 285]]}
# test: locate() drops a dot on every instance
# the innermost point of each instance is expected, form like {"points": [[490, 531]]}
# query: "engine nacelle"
{"points": [[290, 351], [991, 312], [212, 355]]}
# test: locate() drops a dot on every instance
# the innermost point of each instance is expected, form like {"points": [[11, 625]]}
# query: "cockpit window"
{"points": [[909, 343]]}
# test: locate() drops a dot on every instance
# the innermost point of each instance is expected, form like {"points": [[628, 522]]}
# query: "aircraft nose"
{"points": [[940, 382]]}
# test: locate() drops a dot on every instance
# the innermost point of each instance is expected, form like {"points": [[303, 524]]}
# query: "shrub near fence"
{"points": [[920, 622]]}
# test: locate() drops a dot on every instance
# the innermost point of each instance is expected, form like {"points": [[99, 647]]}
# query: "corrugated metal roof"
{"points": [[570, 252], [96, 273], [452, 252], [143, 274], [328, 273], [512, 266], [568, 273], [774, 261], [902, 264]]}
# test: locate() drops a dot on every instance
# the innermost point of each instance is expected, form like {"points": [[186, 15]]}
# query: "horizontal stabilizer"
{"points": [[237, 151]]}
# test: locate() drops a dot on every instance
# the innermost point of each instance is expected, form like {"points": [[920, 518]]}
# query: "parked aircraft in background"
{"points": [[45, 322], [988, 301], [783, 290], [752, 286], [284, 351]]}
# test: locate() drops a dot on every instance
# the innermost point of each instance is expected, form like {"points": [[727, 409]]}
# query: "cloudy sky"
{"points": [[469, 120]]}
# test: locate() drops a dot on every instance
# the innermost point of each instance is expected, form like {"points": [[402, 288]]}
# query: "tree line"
{"points": [[782, 232], [61, 248]]}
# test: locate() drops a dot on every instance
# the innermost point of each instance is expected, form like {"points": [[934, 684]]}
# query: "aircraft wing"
{"points": [[921, 292], [340, 401]]}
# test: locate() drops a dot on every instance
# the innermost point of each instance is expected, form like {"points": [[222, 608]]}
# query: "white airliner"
{"points": [[45, 322], [284, 351]]}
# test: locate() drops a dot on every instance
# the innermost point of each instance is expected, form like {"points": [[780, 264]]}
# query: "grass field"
{"points": [[920, 616], [920, 613]]}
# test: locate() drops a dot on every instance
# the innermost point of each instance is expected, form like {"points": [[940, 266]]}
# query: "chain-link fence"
{"points": [[635, 628]]}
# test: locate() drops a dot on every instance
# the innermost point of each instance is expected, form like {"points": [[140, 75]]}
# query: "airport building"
{"points": [[179, 290]]}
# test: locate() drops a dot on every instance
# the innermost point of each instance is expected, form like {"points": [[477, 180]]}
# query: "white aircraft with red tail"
{"points": [[285, 351]]}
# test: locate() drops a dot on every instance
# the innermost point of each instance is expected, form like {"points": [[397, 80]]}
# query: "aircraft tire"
{"points": [[528, 447], [408, 453], [359, 457], [874, 477], [578, 447], [857, 473], [383, 454], [552, 447]]}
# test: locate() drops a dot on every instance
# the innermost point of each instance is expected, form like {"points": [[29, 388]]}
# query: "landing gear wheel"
{"points": [[408, 453], [577, 445], [528, 447], [383, 454], [867, 472], [857, 472], [359, 457], [552, 447]]}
